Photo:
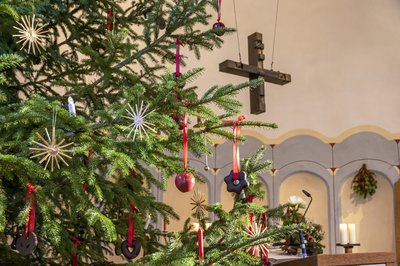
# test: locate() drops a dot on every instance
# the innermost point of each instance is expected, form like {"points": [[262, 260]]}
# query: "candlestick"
{"points": [[352, 233], [200, 243], [344, 237]]}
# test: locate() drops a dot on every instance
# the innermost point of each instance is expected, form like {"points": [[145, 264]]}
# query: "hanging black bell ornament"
{"points": [[217, 26]]}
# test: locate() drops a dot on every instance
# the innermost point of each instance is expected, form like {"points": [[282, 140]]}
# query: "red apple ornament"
{"points": [[184, 181]]}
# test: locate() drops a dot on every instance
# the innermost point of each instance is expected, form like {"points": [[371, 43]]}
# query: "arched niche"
{"points": [[180, 202], [373, 217], [316, 186], [227, 198]]}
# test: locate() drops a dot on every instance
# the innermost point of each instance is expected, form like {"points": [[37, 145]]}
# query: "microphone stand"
{"points": [[302, 244]]}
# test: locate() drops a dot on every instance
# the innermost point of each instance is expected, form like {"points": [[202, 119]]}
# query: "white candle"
{"points": [[344, 236], [352, 233]]}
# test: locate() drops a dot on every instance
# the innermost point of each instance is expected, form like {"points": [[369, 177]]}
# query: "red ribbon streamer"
{"points": [[74, 255], [165, 225], [250, 197], [185, 142], [219, 10], [109, 19], [200, 243], [264, 220], [236, 134], [131, 226], [265, 258], [178, 57], [30, 219]]}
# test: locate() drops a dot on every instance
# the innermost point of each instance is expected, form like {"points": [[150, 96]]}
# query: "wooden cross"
{"points": [[254, 70]]}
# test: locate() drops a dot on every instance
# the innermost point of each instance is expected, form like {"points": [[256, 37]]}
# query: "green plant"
{"points": [[364, 183]]}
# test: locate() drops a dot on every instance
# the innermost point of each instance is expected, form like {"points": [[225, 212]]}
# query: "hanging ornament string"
{"points": [[237, 32], [273, 43], [219, 10], [131, 226], [75, 255], [30, 219], [185, 142], [178, 57], [236, 134]]}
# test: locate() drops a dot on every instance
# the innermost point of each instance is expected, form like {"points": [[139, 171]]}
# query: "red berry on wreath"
{"points": [[184, 181]]}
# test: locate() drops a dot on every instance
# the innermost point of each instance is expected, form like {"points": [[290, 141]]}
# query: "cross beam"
{"points": [[254, 70]]}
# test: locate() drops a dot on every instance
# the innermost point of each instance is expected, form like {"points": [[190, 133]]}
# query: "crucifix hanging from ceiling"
{"points": [[254, 70]]}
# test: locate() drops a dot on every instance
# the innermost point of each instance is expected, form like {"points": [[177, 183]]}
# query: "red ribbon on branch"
{"points": [[109, 19], [250, 198], [219, 10], [74, 255], [236, 134], [185, 141], [30, 219], [264, 220], [178, 57], [131, 225]]}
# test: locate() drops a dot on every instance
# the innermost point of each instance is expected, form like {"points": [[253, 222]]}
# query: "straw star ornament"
{"points": [[255, 232], [198, 204], [139, 123], [30, 34], [50, 150]]}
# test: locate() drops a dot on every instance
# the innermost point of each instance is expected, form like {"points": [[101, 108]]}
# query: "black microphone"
{"points": [[307, 193]]}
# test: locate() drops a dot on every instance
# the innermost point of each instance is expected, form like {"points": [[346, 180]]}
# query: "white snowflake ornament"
{"points": [[139, 123], [30, 34]]}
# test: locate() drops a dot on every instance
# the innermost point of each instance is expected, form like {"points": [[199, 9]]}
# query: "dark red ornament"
{"points": [[219, 25], [184, 181]]}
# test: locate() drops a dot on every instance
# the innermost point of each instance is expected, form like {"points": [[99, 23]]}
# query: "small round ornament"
{"points": [[26, 245], [162, 24], [206, 168], [219, 25], [131, 254], [185, 181]]}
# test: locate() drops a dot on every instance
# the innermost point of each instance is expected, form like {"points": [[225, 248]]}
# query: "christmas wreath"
{"points": [[364, 183]]}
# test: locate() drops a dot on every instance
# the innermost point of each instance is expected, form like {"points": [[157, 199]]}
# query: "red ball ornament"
{"points": [[184, 182], [219, 25]]}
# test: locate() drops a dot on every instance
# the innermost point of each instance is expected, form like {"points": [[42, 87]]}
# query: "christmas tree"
{"points": [[89, 110]]}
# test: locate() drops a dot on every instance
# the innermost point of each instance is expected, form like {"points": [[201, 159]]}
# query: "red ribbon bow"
{"points": [[131, 225], [236, 134], [30, 219], [178, 57]]}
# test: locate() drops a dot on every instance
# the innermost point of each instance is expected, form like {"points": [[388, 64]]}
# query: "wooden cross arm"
{"points": [[236, 68]]}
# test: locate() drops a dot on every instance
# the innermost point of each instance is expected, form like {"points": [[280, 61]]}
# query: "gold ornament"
{"points": [[255, 232], [198, 204], [30, 34], [51, 150]]}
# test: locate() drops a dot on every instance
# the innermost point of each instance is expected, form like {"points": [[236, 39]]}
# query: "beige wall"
{"points": [[374, 218], [293, 185], [343, 55], [181, 203]]}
